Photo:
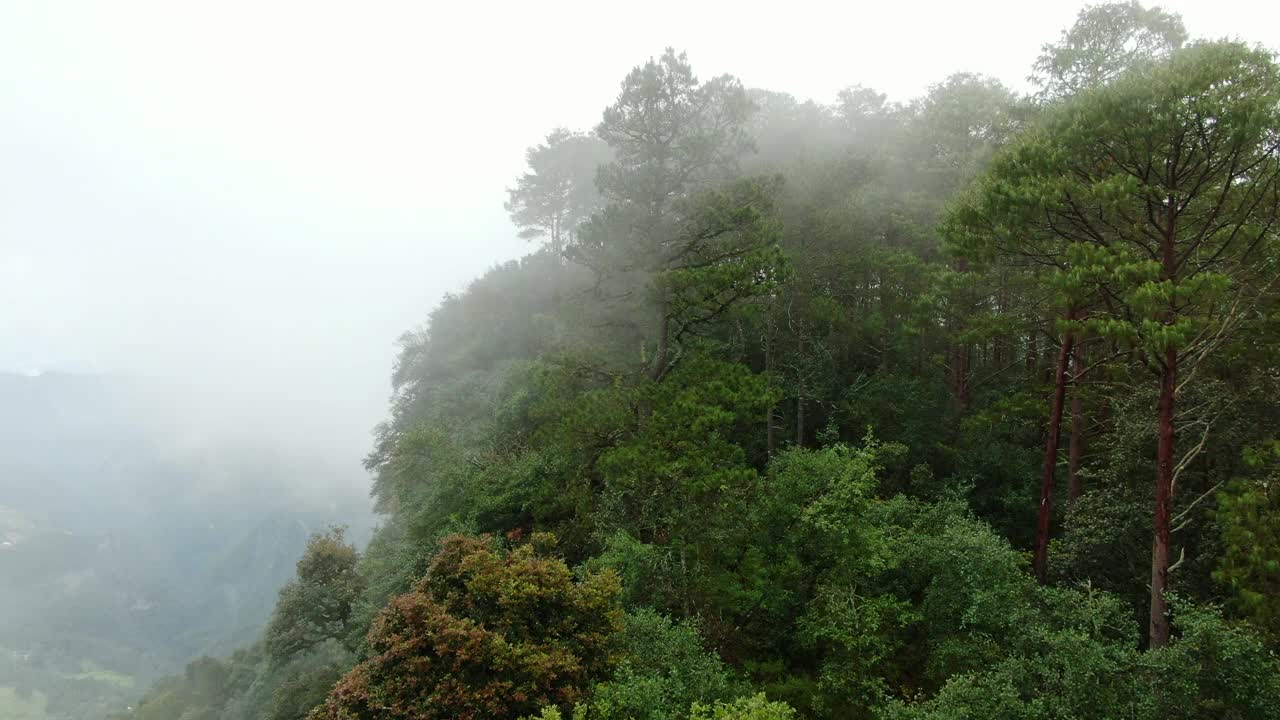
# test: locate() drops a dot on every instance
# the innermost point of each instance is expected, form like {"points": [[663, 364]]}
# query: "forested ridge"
{"points": [[963, 407]]}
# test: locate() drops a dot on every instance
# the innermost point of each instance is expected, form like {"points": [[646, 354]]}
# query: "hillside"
{"points": [[959, 407]]}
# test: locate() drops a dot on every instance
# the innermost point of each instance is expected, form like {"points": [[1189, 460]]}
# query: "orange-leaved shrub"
{"points": [[489, 632]]}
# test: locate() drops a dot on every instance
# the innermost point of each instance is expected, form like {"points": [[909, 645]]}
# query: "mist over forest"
{"points": [[151, 543], [917, 364]]}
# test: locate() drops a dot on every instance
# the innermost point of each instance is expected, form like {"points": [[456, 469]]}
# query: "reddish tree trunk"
{"points": [[1159, 627], [960, 363], [770, 432], [800, 398], [886, 326], [1045, 520], [800, 422], [1075, 449]]}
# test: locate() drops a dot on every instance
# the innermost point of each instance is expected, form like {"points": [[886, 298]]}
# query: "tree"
{"points": [[1105, 41], [317, 605], [864, 111], [958, 126], [668, 491], [663, 669], [489, 632], [304, 682], [198, 694], [980, 228], [671, 232], [671, 134], [1164, 185], [954, 131], [558, 191]]}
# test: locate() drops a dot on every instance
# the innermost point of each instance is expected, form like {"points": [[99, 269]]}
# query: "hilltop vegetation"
{"points": [[963, 407]]}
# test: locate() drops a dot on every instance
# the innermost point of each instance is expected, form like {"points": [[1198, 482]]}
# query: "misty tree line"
{"points": [[773, 423]]}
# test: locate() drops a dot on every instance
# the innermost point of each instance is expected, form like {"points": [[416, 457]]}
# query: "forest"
{"points": [[961, 407]]}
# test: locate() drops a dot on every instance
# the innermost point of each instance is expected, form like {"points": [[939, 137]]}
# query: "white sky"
{"points": [[254, 199]]}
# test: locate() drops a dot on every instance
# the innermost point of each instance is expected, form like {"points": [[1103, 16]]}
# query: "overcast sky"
{"points": [[252, 200]]}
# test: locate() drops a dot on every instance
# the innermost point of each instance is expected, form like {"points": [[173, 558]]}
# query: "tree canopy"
{"points": [[792, 391]]}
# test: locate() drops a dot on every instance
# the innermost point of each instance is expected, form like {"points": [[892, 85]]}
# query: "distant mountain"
{"points": [[123, 554]]}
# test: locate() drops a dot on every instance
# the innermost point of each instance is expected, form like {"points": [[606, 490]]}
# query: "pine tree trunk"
{"points": [[1001, 351], [771, 441], [1045, 520], [960, 362], [800, 422], [1159, 626], [885, 328], [1075, 451], [557, 246], [800, 397]]}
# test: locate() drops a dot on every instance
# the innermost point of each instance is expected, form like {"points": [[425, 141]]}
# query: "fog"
{"points": [[242, 205], [785, 399]]}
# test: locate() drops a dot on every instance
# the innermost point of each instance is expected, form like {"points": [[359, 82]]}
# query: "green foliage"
{"points": [[1100, 538], [755, 707], [796, 436], [669, 131], [1249, 516], [558, 192], [963, 120], [677, 230], [686, 444], [1212, 670], [303, 683], [726, 252], [1133, 198], [1168, 245], [197, 695], [810, 537], [1105, 41], [318, 604], [663, 669], [668, 494]]}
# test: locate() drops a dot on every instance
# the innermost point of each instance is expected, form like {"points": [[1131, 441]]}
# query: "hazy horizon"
{"points": [[902, 400], [250, 202]]}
